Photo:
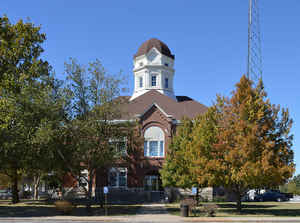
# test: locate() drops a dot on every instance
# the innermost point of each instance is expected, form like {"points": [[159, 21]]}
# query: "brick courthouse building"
{"points": [[158, 111]]}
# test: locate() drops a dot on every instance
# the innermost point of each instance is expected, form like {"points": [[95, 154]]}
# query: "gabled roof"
{"points": [[183, 107]]}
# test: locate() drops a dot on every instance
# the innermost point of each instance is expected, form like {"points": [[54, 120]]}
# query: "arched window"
{"points": [[154, 142]]}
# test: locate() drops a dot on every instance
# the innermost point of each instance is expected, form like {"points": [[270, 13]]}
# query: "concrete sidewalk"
{"points": [[150, 218]]}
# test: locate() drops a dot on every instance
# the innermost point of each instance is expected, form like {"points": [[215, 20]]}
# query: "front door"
{"points": [[152, 183]]}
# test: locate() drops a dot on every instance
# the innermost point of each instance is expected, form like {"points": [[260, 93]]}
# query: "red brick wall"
{"points": [[145, 165]]}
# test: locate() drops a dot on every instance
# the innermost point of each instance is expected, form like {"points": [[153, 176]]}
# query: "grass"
{"points": [[30, 208], [250, 209]]}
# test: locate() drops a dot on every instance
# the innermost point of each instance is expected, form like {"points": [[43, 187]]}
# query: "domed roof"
{"points": [[159, 45]]}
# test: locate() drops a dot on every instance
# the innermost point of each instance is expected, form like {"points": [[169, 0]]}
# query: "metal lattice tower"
{"points": [[254, 63]]}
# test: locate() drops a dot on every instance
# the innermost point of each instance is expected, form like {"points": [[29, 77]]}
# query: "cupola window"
{"points": [[141, 82], [153, 81], [166, 82]]}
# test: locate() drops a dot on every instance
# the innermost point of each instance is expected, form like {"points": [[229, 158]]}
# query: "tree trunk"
{"points": [[89, 192], [197, 196], [36, 181], [90, 187], [239, 202], [15, 195]]}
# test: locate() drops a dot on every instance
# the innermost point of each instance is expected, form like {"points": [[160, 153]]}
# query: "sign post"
{"points": [[195, 192], [105, 191]]}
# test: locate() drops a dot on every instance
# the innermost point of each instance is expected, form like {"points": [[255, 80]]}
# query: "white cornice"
{"points": [[155, 66]]}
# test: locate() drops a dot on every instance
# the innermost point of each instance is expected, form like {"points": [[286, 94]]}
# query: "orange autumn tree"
{"points": [[251, 142]]}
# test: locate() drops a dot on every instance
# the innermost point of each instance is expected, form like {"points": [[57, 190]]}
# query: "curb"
{"points": [[153, 219], [71, 218], [250, 219]]}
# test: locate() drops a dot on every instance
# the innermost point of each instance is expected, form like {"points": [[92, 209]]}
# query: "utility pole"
{"points": [[254, 61]]}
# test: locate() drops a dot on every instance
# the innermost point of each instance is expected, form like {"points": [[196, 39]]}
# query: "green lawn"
{"points": [[30, 208], [257, 209]]}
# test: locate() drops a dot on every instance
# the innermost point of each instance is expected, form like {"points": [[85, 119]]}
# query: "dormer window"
{"points": [[141, 82], [153, 81], [166, 82]]}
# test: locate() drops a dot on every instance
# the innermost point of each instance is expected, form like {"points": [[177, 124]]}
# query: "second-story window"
{"points": [[119, 146], [153, 81], [141, 82], [154, 142]]}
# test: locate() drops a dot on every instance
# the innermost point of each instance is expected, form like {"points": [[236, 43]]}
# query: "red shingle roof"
{"points": [[184, 107]]}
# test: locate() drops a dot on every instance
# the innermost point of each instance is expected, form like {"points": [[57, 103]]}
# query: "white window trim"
{"points": [[154, 75], [157, 135], [159, 148]]}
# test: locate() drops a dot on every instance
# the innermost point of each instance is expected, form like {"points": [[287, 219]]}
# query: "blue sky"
{"points": [[208, 38]]}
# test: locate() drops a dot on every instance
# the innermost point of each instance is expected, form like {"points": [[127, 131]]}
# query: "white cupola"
{"points": [[153, 69]]}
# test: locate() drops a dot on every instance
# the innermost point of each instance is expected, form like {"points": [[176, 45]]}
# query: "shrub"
{"points": [[64, 206], [219, 199], [210, 209], [26, 194], [190, 202]]}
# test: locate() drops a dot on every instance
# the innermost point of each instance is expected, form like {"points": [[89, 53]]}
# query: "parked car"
{"points": [[5, 194], [271, 196]]}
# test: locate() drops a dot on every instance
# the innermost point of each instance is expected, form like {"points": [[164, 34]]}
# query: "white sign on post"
{"points": [[194, 190], [105, 190]]}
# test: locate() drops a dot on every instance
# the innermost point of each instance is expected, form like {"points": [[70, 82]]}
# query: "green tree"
{"points": [[176, 170], [52, 113], [181, 168], [88, 135], [292, 186], [24, 97], [296, 179], [4, 181]]}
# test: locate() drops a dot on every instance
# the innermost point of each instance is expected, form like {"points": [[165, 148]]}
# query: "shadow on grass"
{"points": [[264, 209], [250, 209], [173, 211], [256, 206], [46, 209]]}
